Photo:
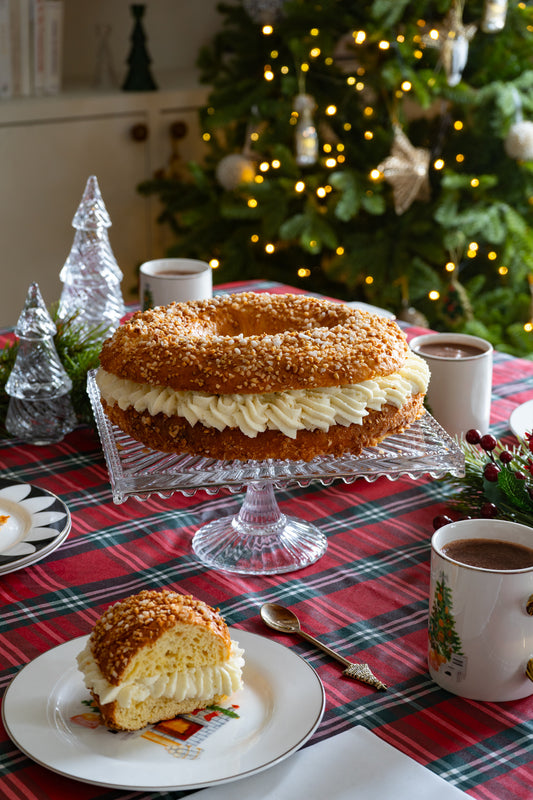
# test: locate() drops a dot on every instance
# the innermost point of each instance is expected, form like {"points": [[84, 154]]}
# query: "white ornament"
{"points": [[265, 12], [494, 15], [519, 141], [455, 39], [306, 136], [234, 169], [454, 55], [453, 42]]}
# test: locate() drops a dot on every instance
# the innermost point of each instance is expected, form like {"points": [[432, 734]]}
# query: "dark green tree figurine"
{"points": [[139, 77]]}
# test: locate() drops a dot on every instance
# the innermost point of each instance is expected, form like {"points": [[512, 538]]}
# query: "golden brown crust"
{"points": [[175, 435], [139, 620], [254, 343]]}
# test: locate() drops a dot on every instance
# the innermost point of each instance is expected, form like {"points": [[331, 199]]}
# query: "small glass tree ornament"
{"points": [[39, 409], [91, 276], [306, 137]]}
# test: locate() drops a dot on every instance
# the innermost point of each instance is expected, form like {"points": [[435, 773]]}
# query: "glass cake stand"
{"points": [[260, 540]]}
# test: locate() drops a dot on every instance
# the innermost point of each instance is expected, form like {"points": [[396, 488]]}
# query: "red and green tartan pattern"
{"points": [[366, 597]]}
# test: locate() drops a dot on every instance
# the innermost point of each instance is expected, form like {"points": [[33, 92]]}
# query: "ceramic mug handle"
{"points": [[529, 610]]}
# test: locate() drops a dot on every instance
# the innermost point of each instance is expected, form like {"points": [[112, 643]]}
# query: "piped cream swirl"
{"points": [[200, 683], [288, 412]]}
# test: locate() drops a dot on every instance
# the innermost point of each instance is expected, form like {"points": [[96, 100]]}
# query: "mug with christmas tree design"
{"points": [[480, 631]]}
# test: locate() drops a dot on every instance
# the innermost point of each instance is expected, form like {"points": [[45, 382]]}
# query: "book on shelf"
{"points": [[20, 47], [53, 46], [31, 47], [37, 9], [6, 76]]}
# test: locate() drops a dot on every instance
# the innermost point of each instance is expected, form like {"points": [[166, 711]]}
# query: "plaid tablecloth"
{"points": [[366, 597]]}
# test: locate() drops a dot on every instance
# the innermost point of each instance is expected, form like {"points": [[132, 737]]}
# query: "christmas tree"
{"points": [[443, 638], [373, 151]]}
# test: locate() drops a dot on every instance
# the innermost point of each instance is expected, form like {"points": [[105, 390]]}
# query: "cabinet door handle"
{"points": [[139, 132], [178, 130]]}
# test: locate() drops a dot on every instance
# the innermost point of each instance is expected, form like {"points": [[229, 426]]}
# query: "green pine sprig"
{"points": [[508, 497], [78, 351]]}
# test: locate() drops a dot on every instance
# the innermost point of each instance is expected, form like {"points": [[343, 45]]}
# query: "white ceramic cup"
{"points": [[168, 280], [460, 387], [480, 634]]}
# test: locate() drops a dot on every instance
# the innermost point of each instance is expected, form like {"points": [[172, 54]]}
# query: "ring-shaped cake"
{"points": [[257, 376]]}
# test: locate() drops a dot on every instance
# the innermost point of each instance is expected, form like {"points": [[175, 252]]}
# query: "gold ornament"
{"points": [[406, 169]]}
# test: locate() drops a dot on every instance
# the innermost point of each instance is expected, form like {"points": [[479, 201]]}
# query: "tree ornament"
{"points": [[233, 170], [306, 137], [265, 12], [91, 275], [456, 303], [139, 77], [406, 169], [39, 410], [454, 38], [519, 141], [494, 16], [412, 316]]}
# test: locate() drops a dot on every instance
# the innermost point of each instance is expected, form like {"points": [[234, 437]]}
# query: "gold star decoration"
{"points": [[406, 169]]}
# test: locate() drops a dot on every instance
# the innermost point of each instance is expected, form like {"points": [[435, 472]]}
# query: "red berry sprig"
{"points": [[508, 471]]}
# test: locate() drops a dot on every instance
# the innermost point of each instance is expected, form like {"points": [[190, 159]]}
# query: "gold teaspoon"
{"points": [[284, 620]]}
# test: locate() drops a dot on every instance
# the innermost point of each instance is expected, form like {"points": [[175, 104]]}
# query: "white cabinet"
{"points": [[49, 146], [47, 152]]}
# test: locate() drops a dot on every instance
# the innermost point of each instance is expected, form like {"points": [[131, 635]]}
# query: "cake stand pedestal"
{"points": [[260, 539]]}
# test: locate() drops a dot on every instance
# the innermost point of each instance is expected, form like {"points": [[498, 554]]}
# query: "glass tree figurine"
{"points": [[91, 276], [39, 409]]}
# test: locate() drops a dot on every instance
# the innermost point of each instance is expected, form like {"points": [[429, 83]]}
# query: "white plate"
{"points": [[381, 312], [279, 708], [521, 420], [33, 523]]}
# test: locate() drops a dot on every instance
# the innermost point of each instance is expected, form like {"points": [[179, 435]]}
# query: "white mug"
{"points": [[168, 280], [480, 631], [460, 387]]}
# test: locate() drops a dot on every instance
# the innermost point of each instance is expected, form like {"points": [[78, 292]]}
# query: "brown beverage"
{"points": [[449, 350], [489, 553], [176, 272]]}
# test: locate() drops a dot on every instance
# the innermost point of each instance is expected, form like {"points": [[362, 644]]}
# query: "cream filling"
{"points": [[288, 412], [199, 683]]}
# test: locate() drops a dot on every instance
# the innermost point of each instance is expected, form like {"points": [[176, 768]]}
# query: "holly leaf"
{"points": [[227, 712], [515, 489]]}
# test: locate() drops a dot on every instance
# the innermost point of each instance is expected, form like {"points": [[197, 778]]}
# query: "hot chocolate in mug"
{"points": [[459, 391], [168, 280], [481, 609]]}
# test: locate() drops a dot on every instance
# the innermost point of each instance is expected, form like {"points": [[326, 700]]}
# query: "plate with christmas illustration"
{"points": [[33, 523], [48, 713]]}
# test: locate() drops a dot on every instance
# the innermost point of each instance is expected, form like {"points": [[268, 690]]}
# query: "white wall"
{"points": [[175, 31]]}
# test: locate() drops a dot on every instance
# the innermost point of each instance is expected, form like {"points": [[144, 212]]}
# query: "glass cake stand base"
{"points": [[259, 540]]}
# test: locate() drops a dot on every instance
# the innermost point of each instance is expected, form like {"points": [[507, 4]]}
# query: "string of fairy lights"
{"points": [[333, 154]]}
